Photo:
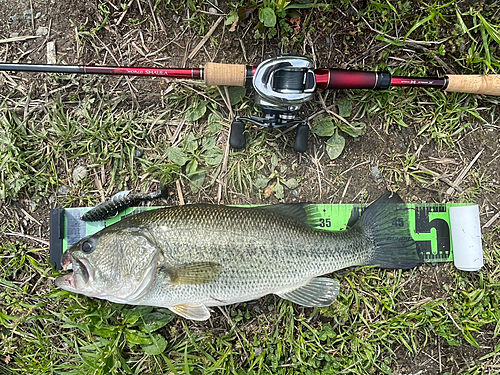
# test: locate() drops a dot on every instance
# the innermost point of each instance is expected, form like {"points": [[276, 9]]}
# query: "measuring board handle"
{"points": [[466, 238]]}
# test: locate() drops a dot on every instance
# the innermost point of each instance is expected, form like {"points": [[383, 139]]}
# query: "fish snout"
{"points": [[80, 275]]}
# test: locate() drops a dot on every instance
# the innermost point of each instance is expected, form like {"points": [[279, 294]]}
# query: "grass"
{"points": [[135, 134], [375, 323]]}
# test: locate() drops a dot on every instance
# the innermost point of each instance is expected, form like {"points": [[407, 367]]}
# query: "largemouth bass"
{"points": [[188, 258]]}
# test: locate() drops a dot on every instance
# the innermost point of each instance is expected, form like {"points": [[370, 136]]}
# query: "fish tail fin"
{"points": [[386, 225]]}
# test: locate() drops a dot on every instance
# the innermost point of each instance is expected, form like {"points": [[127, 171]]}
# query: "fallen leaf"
{"points": [[244, 13], [233, 26], [269, 190]]}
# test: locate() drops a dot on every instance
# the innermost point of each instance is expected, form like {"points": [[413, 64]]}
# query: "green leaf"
{"points": [[334, 146], [279, 191], [236, 94], [155, 320], [345, 108], [177, 156], [158, 345], [196, 176], [323, 126], [492, 30], [196, 112], [389, 41], [137, 337], [420, 23], [304, 5], [233, 16], [213, 156], [105, 331], [191, 168], [267, 17], [214, 122], [131, 316], [464, 28], [208, 143], [190, 143], [357, 128], [261, 182], [274, 160], [292, 183]]}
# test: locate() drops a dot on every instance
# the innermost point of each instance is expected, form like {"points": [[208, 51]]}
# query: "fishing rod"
{"points": [[282, 84]]}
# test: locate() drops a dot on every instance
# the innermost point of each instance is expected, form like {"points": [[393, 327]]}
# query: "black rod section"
{"points": [[42, 68]]}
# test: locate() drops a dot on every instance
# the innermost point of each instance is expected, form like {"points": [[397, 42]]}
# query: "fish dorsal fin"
{"points": [[320, 291], [194, 273], [303, 212], [193, 312]]}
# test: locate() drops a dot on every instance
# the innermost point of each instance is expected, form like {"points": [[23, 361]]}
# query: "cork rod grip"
{"points": [[225, 74], [474, 84]]}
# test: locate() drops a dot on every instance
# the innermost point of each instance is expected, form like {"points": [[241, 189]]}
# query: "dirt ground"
{"points": [[167, 41]]}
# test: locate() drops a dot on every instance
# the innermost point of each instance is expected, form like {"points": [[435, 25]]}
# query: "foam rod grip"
{"points": [[225, 74], [474, 84]]}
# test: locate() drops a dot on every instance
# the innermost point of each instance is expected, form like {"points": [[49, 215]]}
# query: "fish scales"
{"points": [[259, 251], [188, 258], [227, 234]]}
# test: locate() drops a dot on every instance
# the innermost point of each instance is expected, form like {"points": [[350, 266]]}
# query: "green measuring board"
{"points": [[429, 224]]}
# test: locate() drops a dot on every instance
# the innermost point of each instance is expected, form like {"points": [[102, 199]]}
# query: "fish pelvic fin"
{"points": [[386, 224], [320, 291], [194, 273], [193, 312]]}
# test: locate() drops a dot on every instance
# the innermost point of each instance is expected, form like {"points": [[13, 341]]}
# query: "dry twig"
{"points": [[462, 174], [205, 38], [179, 192]]}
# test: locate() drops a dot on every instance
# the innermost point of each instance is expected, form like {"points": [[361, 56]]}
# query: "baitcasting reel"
{"points": [[281, 85]]}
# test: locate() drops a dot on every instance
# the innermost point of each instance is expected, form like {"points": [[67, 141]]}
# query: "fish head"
{"points": [[114, 264]]}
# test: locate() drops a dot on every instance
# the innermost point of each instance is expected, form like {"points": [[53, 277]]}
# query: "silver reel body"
{"points": [[283, 84]]}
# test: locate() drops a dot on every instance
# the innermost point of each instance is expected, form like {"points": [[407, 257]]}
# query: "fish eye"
{"points": [[87, 247]]}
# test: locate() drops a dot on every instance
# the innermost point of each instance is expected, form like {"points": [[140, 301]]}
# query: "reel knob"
{"points": [[300, 144], [237, 136]]}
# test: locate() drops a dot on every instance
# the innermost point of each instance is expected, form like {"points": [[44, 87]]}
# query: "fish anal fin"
{"points": [[320, 291], [193, 312], [194, 273]]}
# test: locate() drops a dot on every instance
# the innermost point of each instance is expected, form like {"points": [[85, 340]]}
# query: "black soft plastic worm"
{"points": [[117, 203]]}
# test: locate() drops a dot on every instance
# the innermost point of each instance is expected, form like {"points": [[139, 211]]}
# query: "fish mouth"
{"points": [[80, 275]]}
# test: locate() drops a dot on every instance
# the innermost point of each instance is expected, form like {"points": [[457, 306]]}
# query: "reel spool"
{"points": [[281, 85]]}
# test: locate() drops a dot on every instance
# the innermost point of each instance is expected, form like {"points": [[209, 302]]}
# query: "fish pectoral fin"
{"points": [[193, 273], [320, 291], [193, 312]]}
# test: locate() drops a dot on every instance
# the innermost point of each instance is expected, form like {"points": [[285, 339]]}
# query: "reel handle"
{"points": [[225, 74]]}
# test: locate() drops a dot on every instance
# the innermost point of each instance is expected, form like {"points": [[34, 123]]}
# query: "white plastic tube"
{"points": [[466, 237]]}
